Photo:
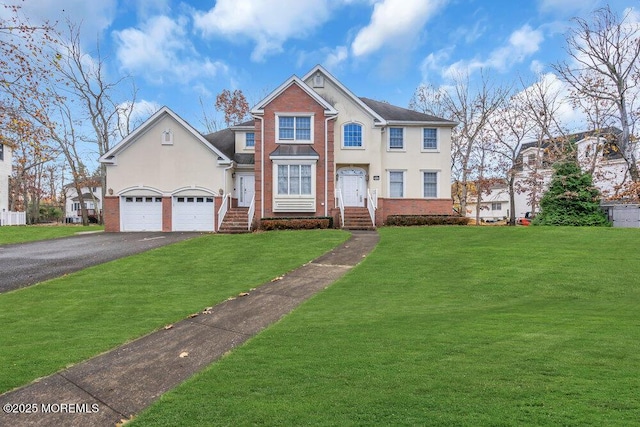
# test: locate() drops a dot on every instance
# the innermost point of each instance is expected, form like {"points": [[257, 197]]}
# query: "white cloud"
{"points": [[94, 16], [336, 57], [394, 21], [160, 48], [522, 43], [136, 112], [268, 24]]}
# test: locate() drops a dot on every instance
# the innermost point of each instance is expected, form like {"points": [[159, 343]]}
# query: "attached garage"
{"points": [[141, 213], [192, 213]]}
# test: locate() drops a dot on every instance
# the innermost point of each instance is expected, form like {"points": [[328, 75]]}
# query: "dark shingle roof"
{"points": [[294, 150], [393, 113], [225, 141]]}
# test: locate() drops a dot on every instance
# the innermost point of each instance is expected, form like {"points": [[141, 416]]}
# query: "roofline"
{"points": [[445, 123], [129, 139], [345, 90], [258, 109]]}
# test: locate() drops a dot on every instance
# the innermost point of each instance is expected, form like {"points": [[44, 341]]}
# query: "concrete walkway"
{"points": [[116, 385]]}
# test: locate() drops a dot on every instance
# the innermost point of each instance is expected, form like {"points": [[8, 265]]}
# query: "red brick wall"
{"points": [[166, 214], [388, 207], [293, 99], [111, 212]]}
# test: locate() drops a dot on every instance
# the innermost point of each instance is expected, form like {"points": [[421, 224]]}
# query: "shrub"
{"points": [[297, 223], [407, 220]]}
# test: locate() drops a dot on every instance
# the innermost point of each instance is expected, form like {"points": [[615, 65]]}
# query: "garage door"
{"points": [[192, 213], [141, 213]]}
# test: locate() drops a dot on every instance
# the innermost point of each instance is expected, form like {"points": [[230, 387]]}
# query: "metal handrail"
{"points": [[252, 210], [223, 209], [372, 204], [340, 206]]}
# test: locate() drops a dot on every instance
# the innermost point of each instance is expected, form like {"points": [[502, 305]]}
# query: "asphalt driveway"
{"points": [[25, 264]]}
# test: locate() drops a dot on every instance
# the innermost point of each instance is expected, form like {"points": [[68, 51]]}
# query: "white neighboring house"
{"points": [[5, 173], [493, 207], [596, 152], [92, 200]]}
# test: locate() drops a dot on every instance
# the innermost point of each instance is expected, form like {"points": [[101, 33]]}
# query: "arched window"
{"points": [[352, 135]]}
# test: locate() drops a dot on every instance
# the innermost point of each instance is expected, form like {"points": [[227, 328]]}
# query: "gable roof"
{"points": [[109, 156], [259, 108], [393, 114]]}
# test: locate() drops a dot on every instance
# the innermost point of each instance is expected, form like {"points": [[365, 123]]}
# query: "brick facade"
{"points": [[294, 100], [166, 214], [111, 212], [388, 207]]}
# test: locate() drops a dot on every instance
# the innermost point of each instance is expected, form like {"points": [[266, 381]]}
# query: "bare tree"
{"points": [[604, 63], [511, 127], [471, 108], [234, 106], [85, 75]]}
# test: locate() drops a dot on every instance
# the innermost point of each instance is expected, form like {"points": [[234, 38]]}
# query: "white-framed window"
{"points": [[167, 137], [1, 151], [496, 206], [352, 135], [250, 140], [396, 183], [294, 180], [396, 138], [429, 184], [429, 139], [294, 129]]}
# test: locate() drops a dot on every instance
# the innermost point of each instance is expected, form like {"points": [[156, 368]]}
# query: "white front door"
{"points": [[352, 187], [246, 189]]}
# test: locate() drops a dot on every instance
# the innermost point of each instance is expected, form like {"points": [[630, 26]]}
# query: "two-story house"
{"points": [[92, 198], [313, 149]]}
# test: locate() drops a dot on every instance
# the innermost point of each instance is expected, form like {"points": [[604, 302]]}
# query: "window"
{"points": [[294, 180], [167, 137], [1, 151], [430, 184], [294, 129], [396, 184], [352, 135], [429, 139], [396, 138], [250, 140], [531, 159], [496, 206]]}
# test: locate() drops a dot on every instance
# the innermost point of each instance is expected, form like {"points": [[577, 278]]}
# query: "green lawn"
{"points": [[63, 321], [445, 326], [28, 233]]}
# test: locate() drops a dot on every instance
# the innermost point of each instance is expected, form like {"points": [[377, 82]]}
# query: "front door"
{"points": [[246, 189], [352, 187]]}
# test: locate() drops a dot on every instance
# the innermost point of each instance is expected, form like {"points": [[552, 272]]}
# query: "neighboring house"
{"points": [[5, 173], [92, 197], [493, 207], [313, 149], [596, 153]]}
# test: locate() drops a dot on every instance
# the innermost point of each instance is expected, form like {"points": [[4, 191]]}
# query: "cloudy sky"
{"points": [[181, 51]]}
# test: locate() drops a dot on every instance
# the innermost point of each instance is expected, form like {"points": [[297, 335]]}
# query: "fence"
{"points": [[13, 218]]}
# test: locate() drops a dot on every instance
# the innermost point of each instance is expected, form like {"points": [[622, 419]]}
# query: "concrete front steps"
{"points": [[357, 219], [235, 221]]}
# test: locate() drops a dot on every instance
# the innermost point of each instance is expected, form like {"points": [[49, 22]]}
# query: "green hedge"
{"points": [[296, 223], [404, 220]]}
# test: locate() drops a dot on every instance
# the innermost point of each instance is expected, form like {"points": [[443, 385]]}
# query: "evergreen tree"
{"points": [[572, 199]]}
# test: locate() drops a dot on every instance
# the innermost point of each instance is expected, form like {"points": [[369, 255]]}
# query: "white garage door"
{"points": [[141, 213], [192, 213]]}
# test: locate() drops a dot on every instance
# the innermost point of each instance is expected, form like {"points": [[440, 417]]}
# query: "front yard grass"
{"points": [[28, 233], [66, 320], [444, 326]]}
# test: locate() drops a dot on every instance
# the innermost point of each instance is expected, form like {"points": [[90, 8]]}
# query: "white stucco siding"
{"points": [[149, 163], [413, 160]]}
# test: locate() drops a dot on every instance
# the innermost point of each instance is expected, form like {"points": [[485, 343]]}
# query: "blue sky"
{"points": [[179, 52]]}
